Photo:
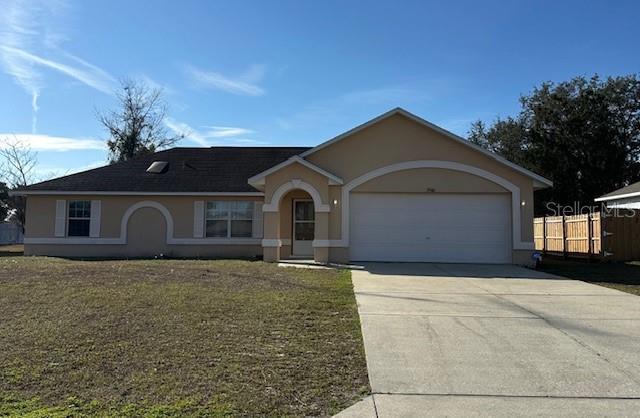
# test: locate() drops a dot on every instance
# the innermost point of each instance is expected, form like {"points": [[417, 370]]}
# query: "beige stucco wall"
{"points": [[278, 225], [393, 140], [335, 216], [390, 141], [398, 139], [41, 212], [146, 229], [300, 172], [430, 180]]}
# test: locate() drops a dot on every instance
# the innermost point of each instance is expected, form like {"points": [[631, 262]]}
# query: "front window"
{"points": [[79, 219], [228, 219]]}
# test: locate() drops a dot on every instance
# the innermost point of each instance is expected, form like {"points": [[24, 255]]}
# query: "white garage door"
{"points": [[454, 228]]}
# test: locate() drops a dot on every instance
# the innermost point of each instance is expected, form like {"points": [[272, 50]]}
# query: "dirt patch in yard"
{"points": [[11, 250], [177, 337]]}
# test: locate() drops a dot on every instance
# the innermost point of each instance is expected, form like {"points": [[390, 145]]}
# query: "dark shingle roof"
{"points": [[215, 169], [632, 188]]}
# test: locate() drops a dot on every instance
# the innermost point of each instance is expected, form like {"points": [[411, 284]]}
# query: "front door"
{"points": [[303, 228]]}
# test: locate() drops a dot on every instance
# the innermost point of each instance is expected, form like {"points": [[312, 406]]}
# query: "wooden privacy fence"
{"points": [[611, 236]]}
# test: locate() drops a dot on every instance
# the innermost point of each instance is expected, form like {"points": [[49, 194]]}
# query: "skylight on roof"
{"points": [[158, 167]]}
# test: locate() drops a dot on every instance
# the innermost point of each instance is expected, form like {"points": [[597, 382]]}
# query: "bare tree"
{"points": [[17, 170], [137, 127]]}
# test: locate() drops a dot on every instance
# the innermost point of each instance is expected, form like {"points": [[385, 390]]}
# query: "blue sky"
{"points": [[278, 73]]}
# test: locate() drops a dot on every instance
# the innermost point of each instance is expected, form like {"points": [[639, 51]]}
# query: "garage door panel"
{"points": [[430, 228]]}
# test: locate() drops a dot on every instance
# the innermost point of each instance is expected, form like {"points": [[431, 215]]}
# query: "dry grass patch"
{"points": [[175, 338]]}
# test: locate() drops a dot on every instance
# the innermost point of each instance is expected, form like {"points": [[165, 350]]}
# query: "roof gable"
{"points": [[259, 179], [539, 181]]}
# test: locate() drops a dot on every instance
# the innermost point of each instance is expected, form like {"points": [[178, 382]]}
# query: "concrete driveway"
{"points": [[488, 340]]}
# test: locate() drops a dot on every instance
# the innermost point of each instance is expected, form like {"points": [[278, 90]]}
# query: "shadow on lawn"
{"points": [[620, 273]]}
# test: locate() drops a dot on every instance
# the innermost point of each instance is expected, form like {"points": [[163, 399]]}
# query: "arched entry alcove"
{"points": [[147, 227]]}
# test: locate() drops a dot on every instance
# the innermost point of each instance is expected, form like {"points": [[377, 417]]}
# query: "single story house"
{"points": [[625, 198], [396, 188]]}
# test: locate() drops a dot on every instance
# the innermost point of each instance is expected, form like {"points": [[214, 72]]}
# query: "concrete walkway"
{"points": [[486, 340]]}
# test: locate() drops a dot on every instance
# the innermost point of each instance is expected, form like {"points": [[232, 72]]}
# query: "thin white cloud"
{"points": [[55, 143], [46, 171], [211, 135], [337, 108], [95, 78], [245, 84], [165, 88], [30, 39], [225, 131]]}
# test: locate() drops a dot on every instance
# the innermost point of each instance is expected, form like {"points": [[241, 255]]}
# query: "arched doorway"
{"points": [[297, 224], [147, 233]]}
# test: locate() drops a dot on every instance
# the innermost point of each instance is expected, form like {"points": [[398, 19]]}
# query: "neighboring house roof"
{"points": [[539, 181], [632, 190], [190, 170]]}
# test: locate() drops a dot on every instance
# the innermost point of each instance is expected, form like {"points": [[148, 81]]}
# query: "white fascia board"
{"points": [[543, 182], [616, 197], [258, 179], [103, 193]]}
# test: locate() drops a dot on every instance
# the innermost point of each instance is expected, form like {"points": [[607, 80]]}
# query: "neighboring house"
{"points": [[396, 188], [10, 233], [625, 198]]}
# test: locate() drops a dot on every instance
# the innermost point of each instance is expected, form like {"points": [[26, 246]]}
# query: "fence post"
{"points": [[544, 235], [590, 236], [564, 238]]}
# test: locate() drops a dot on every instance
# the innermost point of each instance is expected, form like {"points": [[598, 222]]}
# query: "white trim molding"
{"points": [[75, 241], [274, 205], [276, 242], [518, 244], [539, 181], [259, 179], [271, 243], [120, 241], [215, 241], [321, 243]]}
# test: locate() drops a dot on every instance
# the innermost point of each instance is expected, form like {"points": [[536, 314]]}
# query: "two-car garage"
{"points": [[431, 227]]}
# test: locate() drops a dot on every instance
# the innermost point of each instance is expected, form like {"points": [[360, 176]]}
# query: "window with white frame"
{"points": [[229, 219], [79, 219]]}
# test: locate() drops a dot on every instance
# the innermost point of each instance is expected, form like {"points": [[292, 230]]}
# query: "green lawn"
{"points": [[621, 276], [176, 338]]}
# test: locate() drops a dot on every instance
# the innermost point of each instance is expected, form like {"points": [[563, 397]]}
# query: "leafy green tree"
{"points": [[137, 127], [584, 134]]}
